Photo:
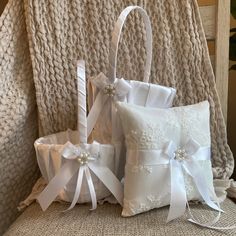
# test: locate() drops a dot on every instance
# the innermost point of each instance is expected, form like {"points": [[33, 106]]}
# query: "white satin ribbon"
{"points": [[188, 160], [116, 39], [120, 86], [185, 160], [117, 92], [81, 160]]}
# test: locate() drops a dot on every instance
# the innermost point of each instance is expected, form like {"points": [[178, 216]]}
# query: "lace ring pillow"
{"points": [[105, 90], [168, 160]]}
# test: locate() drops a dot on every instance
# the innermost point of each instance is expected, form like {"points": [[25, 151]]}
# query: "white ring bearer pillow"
{"points": [[168, 160]]}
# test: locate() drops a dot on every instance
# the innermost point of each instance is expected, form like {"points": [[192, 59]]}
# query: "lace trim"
{"points": [[150, 138], [153, 136], [141, 168], [135, 206]]}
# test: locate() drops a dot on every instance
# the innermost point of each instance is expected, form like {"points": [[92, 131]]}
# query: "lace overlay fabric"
{"points": [[154, 200], [150, 138], [181, 120], [148, 186]]}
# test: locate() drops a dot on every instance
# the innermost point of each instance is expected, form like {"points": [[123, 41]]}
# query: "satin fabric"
{"points": [[50, 162], [149, 173]]}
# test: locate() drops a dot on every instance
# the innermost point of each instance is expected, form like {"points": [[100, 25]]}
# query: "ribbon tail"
{"points": [[117, 136], [95, 111], [204, 191], [194, 170], [56, 184], [178, 193], [91, 188], [77, 189], [110, 181], [115, 130], [213, 227], [210, 224]]}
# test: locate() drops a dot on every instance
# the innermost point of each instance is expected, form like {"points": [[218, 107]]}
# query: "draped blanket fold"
{"points": [[60, 32]]}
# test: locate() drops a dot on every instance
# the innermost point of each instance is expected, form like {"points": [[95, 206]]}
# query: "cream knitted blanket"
{"points": [[60, 32]]}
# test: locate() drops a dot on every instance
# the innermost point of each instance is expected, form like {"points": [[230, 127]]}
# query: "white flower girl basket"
{"points": [[103, 91], [75, 170]]}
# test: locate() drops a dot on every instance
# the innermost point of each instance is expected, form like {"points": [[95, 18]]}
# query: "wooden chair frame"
{"points": [[216, 22]]}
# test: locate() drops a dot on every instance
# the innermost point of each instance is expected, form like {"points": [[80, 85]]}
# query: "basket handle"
{"points": [[82, 102], [116, 38]]}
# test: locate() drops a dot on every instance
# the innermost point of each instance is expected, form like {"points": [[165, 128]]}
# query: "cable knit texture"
{"points": [[59, 33], [18, 117]]}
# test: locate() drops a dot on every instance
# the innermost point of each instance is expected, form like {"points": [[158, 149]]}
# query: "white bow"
{"points": [[82, 157], [117, 91], [183, 158], [82, 160]]}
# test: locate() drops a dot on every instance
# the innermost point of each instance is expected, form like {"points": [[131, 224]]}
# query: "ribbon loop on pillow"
{"points": [[179, 160], [183, 158], [178, 193]]}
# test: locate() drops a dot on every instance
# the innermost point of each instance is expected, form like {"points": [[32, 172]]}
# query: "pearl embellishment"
{"points": [[83, 158], [181, 155], [110, 90]]}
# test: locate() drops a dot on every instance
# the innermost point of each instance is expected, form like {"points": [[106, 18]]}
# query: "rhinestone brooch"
{"points": [[181, 155], [110, 90], [84, 158]]}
